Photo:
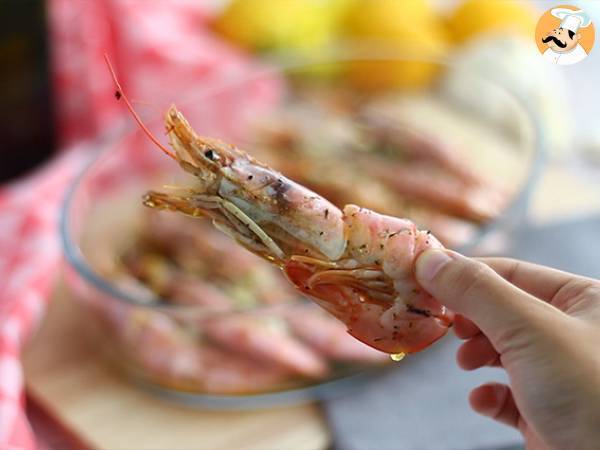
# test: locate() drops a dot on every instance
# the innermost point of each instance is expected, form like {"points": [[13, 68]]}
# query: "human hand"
{"points": [[542, 326]]}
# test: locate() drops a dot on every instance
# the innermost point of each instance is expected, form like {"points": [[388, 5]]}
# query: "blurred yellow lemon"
{"points": [[277, 25], [476, 17], [408, 28]]}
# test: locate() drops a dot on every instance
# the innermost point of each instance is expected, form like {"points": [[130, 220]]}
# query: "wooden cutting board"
{"points": [[68, 377]]}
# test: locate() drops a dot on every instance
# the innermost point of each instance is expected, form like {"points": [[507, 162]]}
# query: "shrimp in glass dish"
{"points": [[173, 358], [355, 263], [237, 303]]}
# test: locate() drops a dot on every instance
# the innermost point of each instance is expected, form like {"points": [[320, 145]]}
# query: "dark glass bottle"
{"points": [[26, 123]]}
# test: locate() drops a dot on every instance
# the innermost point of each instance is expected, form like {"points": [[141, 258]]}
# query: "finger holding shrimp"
{"points": [[541, 326]]}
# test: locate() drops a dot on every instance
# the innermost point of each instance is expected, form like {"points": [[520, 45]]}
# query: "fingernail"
{"points": [[430, 263]]}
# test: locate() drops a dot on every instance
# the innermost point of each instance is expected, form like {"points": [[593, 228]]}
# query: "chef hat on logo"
{"points": [[571, 20]]}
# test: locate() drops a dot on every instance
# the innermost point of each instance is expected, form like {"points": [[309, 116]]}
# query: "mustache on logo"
{"points": [[556, 41]]}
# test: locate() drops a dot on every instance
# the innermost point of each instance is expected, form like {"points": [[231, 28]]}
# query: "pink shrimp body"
{"points": [[175, 359], [372, 288], [261, 338]]}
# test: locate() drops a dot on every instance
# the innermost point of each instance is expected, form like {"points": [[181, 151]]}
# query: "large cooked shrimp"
{"points": [[174, 359], [374, 151], [266, 339], [355, 263]]}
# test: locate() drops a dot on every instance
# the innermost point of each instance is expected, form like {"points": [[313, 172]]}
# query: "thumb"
{"points": [[474, 290]]}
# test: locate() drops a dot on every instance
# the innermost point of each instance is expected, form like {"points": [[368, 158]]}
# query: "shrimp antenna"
{"points": [[120, 94]]}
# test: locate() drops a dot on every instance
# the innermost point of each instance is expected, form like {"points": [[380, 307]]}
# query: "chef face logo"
{"points": [[561, 40], [565, 35]]}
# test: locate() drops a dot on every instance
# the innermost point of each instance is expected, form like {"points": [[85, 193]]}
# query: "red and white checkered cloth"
{"points": [[159, 48], [29, 255]]}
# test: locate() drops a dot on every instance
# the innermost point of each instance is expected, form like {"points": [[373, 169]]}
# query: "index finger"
{"points": [[539, 281]]}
